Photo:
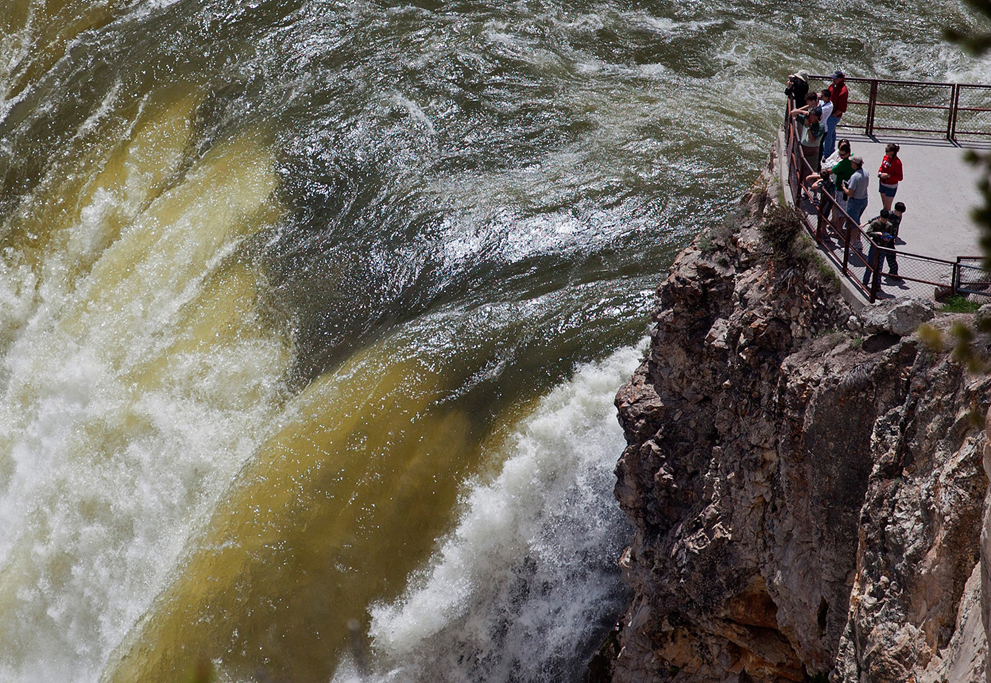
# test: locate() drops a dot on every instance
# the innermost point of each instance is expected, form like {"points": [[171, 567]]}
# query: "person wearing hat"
{"points": [[839, 167], [855, 190], [839, 96], [798, 88]]}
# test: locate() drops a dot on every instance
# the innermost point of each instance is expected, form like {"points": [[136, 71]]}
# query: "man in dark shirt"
{"points": [[839, 96], [895, 219], [797, 89]]}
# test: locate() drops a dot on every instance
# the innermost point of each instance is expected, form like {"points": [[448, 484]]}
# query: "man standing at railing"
{"points": [[798, 88], [839, 98], [826, 107], [855, 190]]}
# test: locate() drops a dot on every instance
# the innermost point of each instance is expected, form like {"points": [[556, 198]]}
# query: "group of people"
{"points": [[819, 113], [837, 171]]}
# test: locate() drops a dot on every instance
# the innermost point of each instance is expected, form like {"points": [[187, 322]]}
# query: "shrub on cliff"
{"points": [[780, 229], [784, 232]]}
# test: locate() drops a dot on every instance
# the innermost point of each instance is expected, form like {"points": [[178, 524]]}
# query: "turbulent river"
{"points": [[313, 312]]}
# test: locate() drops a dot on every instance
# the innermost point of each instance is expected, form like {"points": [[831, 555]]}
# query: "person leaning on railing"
{"points": [[798, 88], [811, 132], [879, 232], [835, 170], [838, 165]]}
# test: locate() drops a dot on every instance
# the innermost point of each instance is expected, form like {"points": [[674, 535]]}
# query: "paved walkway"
{"points": [[939, 191]]}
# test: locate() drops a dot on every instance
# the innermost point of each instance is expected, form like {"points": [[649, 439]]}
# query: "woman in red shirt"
{"points": [[889, 175]]}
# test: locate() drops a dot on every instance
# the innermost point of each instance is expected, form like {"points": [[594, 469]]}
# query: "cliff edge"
{"points": [[807, 484]]}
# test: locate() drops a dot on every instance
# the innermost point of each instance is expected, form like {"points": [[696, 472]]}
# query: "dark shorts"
{"points": [[887, 190]]}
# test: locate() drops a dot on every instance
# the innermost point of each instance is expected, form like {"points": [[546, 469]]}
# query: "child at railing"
{"points": [[895, 219], [879, 232], [839, 98]]}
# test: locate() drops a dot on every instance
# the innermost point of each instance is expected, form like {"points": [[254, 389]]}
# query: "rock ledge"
{"points": [[807, 485]]}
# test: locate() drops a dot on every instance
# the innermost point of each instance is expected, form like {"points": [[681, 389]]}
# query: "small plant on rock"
{"points": [[959, 304]]}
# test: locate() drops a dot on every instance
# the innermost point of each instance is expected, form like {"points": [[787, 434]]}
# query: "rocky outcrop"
{"points": [[807, 484]]}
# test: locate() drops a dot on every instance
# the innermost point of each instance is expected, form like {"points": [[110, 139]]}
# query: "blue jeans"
{"points": [[829, 141], [855, 208]]}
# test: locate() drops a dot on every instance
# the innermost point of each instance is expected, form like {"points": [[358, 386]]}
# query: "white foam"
{"points": [[119, 428], [529, 567]]}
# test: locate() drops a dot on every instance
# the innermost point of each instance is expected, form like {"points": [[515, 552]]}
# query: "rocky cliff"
{"points": [[806, 483]]}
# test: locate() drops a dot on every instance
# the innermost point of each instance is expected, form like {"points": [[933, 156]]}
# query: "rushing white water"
{"points": [[515, 578], [304, 306], [135, 383]]}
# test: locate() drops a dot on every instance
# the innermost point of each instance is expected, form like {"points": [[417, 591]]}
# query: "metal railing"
{"points": [[954, 111], [971, 277], [856, 255]]}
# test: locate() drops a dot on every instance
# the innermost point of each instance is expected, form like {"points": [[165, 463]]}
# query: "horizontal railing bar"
{"points": [[941, 131], [913, 106], [860, 79], [918, 257]]}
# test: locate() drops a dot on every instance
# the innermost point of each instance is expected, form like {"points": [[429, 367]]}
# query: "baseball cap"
{"points": [[839, 74], [857, 160]]}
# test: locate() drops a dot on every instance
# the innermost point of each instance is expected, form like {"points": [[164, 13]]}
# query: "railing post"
{"points": [[871, 108], [951, 110], [951, 131], [955, 278], [846, 246], [876, 274]]}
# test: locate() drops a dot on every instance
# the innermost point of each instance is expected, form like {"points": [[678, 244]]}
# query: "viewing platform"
{"points": [[937, 248]]}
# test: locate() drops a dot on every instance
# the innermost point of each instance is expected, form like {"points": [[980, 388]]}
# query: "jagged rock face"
{"points": [[805, 501]]}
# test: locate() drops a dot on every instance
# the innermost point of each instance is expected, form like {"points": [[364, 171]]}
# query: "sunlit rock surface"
{"points": [[807, 486]]}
